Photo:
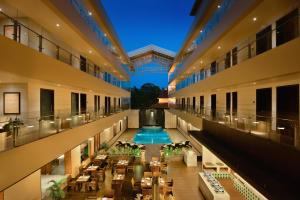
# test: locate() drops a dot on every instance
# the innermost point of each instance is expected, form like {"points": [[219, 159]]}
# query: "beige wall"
{"points": [[170, 120], [75, 161], [133, 119], [25, 189]]}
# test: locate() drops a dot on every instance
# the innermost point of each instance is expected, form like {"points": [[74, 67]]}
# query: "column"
{"points": [[274, 105], [273, 35], [68, 162]]}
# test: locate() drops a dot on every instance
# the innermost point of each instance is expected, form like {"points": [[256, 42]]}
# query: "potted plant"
{"points": [[55, 191]]}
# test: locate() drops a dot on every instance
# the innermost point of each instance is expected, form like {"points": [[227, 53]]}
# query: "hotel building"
{"points": [[233, 98]]}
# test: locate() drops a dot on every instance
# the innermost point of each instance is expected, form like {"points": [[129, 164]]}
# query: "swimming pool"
{"points": [[152, 135]]}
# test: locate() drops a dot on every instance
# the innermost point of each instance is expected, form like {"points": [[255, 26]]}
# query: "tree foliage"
{"points": [[144, 97]]}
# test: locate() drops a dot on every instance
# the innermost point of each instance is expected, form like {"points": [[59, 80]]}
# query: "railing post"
{"points": [[15, 30], [40, 43]]}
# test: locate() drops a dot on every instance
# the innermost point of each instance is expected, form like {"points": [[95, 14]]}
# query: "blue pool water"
{"points": [[152, 135]]}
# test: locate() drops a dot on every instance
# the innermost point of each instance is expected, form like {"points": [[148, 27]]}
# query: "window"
{"points": [[228, 102], [227, 60], [234, 56], [287, 27], [213, 68], [74, 103], [264, 40], [201, 104], [263, 103], [82, 63], [83, 103], [96, 103], [234, 102]]}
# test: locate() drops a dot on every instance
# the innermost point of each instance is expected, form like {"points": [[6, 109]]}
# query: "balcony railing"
{"points": [[285, 131], [17, 31], [29, 127], [243, 51]]}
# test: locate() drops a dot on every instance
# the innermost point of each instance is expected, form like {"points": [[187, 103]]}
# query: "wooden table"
{"points": [[82, 180], [155, 166], [101, 157], [117, 183], [122, 163]]}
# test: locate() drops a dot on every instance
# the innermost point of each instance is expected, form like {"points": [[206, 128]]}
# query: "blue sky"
{"points": [[138, 23]]}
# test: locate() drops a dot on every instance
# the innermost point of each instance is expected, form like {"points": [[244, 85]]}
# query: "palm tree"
{"points": [[55, 191]]}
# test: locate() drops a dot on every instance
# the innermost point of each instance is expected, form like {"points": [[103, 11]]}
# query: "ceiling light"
{"points": [[194, 67], [219, 6], [201, 61], [219, 47], [201, 31], [105, 64], [104, 34], [90, 13], [57, 25], [254, 19], [280, 128], [0, 9], [90, 51]]}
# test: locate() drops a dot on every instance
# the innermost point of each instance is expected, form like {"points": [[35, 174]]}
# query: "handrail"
{"points": [[29, 127], [281, 130], [59, 56], [235, 54]]}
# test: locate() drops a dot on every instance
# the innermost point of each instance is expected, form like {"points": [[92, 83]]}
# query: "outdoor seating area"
{"points": [[111, 176], [89, 177]]}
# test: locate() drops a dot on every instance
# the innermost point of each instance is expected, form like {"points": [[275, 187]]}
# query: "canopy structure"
{"points": [[151, 54]]}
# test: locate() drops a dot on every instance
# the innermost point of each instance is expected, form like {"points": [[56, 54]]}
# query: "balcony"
{"points": [[259, 126], [255, 46], [23, 34], [29, 127]]}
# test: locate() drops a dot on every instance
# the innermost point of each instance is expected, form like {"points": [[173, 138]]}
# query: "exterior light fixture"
{"points": [[219, 47], [254, 19], [201, 61], [90, 13], [201, 31], [57, 25], [105, 35], [219, 6], [90, 51]]}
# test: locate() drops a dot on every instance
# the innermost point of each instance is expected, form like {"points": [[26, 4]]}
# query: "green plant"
{"points": [[104, 146], [55, 191]]}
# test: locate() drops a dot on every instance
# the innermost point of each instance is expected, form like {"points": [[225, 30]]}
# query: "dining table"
{"points": [[82, 180]]}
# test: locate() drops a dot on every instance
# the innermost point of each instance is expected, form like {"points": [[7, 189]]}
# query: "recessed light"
{"points": [[201, 31], [105, 64], [104, 34], [90, 13], [201, 61], [219, 6], [254, 19], [0, 9], [57, 25], [90, 51], [219, 47]]}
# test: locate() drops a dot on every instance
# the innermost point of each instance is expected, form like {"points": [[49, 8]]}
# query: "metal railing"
{"points": [[23, 34], [243, 51], [285, 131], [29, 127]]}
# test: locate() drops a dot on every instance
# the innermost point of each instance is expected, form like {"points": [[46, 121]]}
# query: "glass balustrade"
{"points": [[285, 131], [249, 49], [16, 30], [29, 127]]}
